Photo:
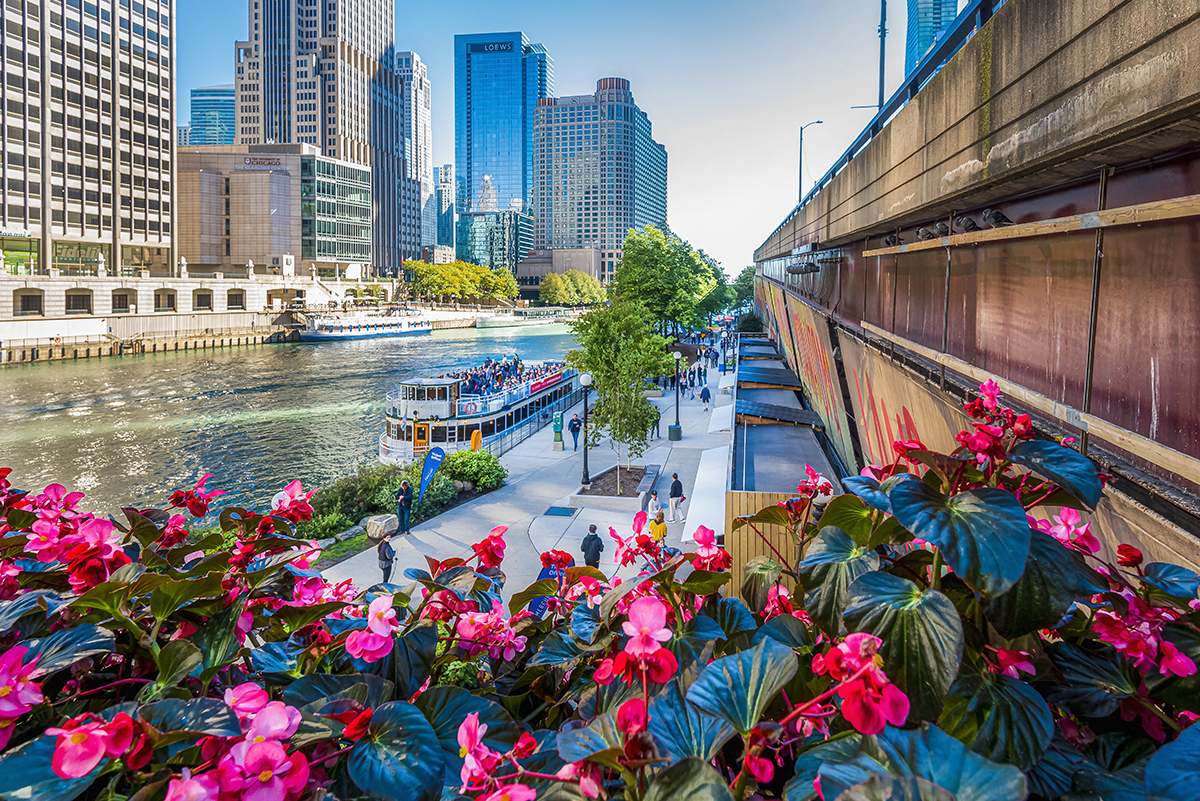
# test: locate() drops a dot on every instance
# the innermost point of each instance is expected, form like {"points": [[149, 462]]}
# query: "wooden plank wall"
{"points": [[743, 544]]}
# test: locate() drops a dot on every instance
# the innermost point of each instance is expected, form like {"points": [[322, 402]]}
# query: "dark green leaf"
{"points": [[412, 658], [832, 563], [217, 639], [1174, 771], [1118, 750], [896, 788], [1095, 683], [38, 605], [1183, 692], [1172, 579], [999, 717], [922, 636], [400, 759], [737, 688], [701, 627], [852, 515], [692, 779], [586, 742], [733, 617], [447, 707], [26, 774], [869, 490], [758, 576], [1042, 595], [458, 580], [1068, 469], [1094, 784], [929, 753], [312, 690], [1051, 777], [585, 622], [838, 749], [983, 533], [295, 618], [611, 598], [537, 589], [560, 650], [768, 516], [177, 719], [277, 658], [176, 660], [683, 729], [705, 582], [177, 593], [787, 630], [66, 647]]}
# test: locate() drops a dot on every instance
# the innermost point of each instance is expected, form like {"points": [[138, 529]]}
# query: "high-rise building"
{"points": [[89, 140], [183, 135], [927, 20], [418, 147], [597, 172], [444, 181], [498, 80], [323, 72], [213, 115]]}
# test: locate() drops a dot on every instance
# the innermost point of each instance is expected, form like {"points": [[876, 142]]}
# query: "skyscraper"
{"points": [[418, 147], [89, 137], [597, 171], [213, 113], [444, 181], [927, 19], [324, 72], [498, 80]]}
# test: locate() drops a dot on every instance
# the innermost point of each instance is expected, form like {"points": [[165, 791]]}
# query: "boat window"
{"points": [[439, 434], [441, 393]]}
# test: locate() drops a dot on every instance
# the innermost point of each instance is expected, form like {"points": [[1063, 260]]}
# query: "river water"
{"points": [[129, 430]]}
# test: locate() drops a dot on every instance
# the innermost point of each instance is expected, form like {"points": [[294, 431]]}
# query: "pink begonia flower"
{"points": [[368, 645], [193, 788], [1068, 531], [381, 618], [79, 749], [1012, 663], [470, 734], [588, 774], [270, 774], [245, 623], [1175, 661], [871, 701], [18, 694], [639, 522], [631, 717], [246, 699], [990, 391], [43, 541], [479, 761], [275, 721], [710, 556], [292, 503], [646, 627], [309, 557], [511, 792]]}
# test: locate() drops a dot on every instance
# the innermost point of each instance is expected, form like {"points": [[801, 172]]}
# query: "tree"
{"points": [[576, 290], [667, 276], [554, 290], [743, 288], [619, 348], [588, 290], [498, 283]]}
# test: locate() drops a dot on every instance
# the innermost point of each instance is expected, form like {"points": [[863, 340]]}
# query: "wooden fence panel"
{"points": [[743, 544]]}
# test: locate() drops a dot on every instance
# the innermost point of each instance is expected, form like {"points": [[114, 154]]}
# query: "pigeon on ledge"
{"points": [[995, 219], [891, 240], [924, 234], [941, 228], [965, 224]]}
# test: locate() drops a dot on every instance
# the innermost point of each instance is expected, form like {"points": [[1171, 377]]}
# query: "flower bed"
{"points": [[942, 644]]}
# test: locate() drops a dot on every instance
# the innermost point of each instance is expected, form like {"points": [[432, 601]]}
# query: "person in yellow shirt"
{"points": [[658, 527]]}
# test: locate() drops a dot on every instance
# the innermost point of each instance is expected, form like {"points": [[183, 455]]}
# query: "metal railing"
{"points": [[475, 405]]}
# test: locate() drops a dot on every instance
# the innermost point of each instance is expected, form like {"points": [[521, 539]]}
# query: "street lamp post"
{"points": [[724, 344], [585, 381], [802, 127], [675, 432]]}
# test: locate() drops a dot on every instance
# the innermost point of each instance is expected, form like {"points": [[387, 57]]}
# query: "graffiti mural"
{"points": [[812, 359]]}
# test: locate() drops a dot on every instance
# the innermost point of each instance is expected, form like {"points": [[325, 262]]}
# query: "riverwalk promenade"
{"points": [[540, 478]]}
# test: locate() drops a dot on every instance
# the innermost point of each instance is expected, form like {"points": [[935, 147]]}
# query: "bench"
{"points": [[647, 484]]}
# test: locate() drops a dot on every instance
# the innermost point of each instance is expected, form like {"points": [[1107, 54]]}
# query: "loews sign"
{"points": [[492, 47]]}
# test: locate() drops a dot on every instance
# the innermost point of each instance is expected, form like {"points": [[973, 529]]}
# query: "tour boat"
{"points": [[363, 326], [525, 317], [427, 412]]}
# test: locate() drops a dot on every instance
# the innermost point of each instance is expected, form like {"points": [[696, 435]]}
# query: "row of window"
{"points": [[30, 303]]}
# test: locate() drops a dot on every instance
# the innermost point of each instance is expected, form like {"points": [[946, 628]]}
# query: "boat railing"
{"points": [[474, 405]]}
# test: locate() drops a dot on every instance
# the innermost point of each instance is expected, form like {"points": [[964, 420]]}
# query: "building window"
{"points": [[120, 303], [164, 300], [236, 300], [79, 302], [203, 301], [29, 304]]}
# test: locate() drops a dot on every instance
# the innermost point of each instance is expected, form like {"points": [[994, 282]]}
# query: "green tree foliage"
{"points": [[460, 280], [743, 288], [619, 348], [670, 278], [586, 289], [554, 291], [498, 283]]}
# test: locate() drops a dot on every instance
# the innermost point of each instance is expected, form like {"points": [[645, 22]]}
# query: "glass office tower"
{"points": [[213, 115], [498, 80], [927, 19]]}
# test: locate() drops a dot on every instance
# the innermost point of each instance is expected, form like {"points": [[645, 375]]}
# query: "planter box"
{"points": [[652, 393], [619, 503]]}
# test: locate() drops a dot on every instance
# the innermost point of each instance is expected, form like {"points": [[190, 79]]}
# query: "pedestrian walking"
{"points": [[676, 498], [654, 505], [574, 427], [387, 555], [404, 506], [657, 420], [705, 396], [658, 528], [592, 547]]}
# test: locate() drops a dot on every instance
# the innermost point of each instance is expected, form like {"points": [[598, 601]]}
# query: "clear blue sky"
{"points": [[726, 86]]}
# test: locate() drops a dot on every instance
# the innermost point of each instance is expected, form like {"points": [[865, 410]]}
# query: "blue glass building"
{"points": [[213, 116], [498, 79], [927, 20]]}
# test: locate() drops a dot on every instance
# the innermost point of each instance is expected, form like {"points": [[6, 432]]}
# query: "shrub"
{"points": [[350, 499], [749, 323], [480, 467]]}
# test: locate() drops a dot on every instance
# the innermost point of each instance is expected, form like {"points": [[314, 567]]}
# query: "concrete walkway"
{"points": [[538, 478]]}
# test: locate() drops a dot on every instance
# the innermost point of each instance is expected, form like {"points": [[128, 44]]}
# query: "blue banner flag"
{"points": [[538, 605], [433, 460]]}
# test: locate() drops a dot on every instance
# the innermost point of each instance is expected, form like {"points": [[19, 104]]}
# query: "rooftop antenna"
{"points": [[882, 45]]}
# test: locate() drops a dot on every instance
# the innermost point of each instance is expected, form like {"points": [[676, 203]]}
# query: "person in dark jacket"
{"points": [[387, 555], [404, 506], [676, 498], [574, 426], [705, 396], [592, 547]]}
